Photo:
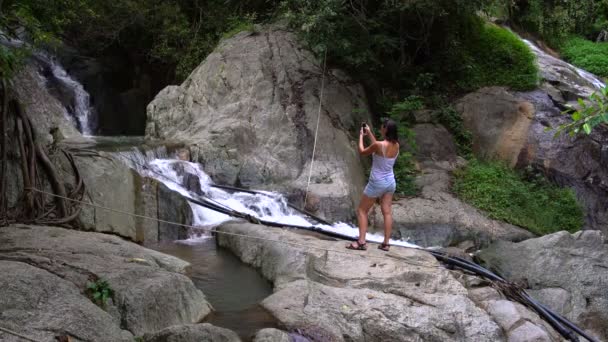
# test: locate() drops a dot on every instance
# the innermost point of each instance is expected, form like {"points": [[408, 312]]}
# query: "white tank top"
{"points": [[382, 167]]}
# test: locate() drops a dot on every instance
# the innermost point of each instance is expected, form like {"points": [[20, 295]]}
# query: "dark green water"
{"points": [[233, 288]]}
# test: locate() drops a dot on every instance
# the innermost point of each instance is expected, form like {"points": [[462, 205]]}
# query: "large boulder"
{"points": [[512, 126], [39, 304], [328, 294], [249, 113], [567, 272], [45, 275]]}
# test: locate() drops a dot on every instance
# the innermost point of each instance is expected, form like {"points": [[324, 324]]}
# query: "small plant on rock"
{"points": [[99, 292]]}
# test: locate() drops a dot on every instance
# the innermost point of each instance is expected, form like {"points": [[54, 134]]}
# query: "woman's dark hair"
{"points": [[391, 130]]}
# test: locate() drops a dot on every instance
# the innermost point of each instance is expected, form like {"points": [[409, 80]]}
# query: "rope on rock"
{"points": [[314, 145], [261, 222]]}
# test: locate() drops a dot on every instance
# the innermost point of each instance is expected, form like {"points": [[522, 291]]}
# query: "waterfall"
{"points": [[591, 80], [189, 179], [74, 97], [78, 99]]}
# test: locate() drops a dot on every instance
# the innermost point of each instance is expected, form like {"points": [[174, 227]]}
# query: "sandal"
{"points": [[384, 246], [358, 247]]}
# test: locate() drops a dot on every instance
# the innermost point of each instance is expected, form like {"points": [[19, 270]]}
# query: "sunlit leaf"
{"points": [[587, 128]]}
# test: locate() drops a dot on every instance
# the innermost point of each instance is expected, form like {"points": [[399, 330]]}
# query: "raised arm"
{"points": [[365, 151]]}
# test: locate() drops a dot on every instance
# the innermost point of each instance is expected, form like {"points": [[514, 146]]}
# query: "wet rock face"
{"points": [[567, 272], [45, 271], [512, 126], [403, 295], [249, 114]]}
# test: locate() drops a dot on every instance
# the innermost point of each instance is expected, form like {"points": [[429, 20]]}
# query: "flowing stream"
{"points": [[545, 60], [190, 180]]}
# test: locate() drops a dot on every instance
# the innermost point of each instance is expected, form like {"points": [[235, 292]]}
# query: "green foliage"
{"points": [[493, 56], [405, 168], [239, 24], [451, 119], [555, 20], [100, 291], [530, 202], [421, 47], [586, 54], [11, 59], [177, 34], [591, 113]]}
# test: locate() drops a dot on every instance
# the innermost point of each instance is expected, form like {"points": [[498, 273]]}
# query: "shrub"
{"points": [[494, 56], [506, 195], [586, 54], [405, 170], [99, 292]]}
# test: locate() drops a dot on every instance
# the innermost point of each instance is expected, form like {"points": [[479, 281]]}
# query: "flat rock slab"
{"points": [[327, 293], [150, 290]]}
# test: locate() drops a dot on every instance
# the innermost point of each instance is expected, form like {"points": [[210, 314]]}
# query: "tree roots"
{"points": [[33, 206]]}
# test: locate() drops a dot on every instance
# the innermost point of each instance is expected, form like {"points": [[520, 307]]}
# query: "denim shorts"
{"points": [[377, 187]]}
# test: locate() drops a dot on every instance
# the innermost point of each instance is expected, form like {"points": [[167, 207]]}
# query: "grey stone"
{"points": [[399, 296], [434, 142], [567, 272], [192, 333], [249, 114], [41, 305], [173, 208], [111, 184], [150, 290], [528, 332], [504, 313], [271, 335]]}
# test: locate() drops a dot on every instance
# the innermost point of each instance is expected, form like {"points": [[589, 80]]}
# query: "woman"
{"points": [[381, 180]]}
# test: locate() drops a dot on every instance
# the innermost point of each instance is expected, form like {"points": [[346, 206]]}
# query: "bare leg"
{"points": [[364, 207], [387, 201]]}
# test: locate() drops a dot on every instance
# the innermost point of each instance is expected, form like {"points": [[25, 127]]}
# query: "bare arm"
{"points": [[371, 136], [373, 147]]}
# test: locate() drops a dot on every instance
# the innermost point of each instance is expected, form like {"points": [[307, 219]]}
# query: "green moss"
{"points": [[529, 202], [495, 56], [586, 54]]}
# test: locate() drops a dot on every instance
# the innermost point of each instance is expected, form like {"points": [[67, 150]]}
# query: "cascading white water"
{"points": [[268, 206], [81, 106], [593, 80]]}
